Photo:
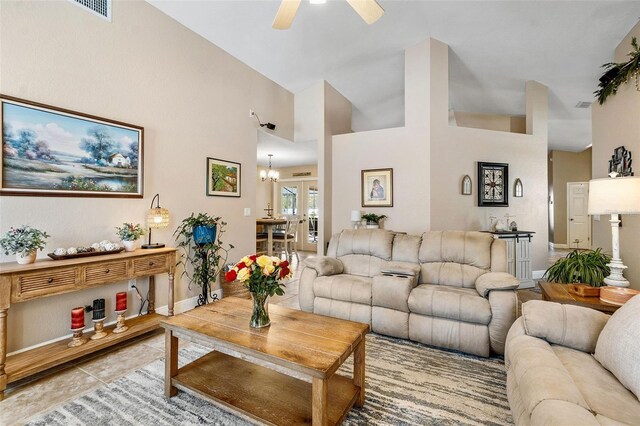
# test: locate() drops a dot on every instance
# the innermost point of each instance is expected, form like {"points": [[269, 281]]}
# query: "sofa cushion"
{"points": [[406, 248], [344, 310], [618, 347], [573, 326], [602, 391], [450, 302], [363, 265], [371, 242], [348, 288], [470, 248], [451, 274]]}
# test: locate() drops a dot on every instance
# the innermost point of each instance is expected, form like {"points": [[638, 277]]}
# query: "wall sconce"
{"points": [[466, 185], [157, 217], [518, 191]]}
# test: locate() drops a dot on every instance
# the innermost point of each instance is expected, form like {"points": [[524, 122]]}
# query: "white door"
{"points": [[300, 198], [578, 221]]}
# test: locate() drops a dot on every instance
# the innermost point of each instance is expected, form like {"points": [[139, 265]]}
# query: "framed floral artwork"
{"points": [[50, 151], [223, 178], [377, 188]]}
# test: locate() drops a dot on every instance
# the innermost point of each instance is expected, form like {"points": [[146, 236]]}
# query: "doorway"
{"points": [[578, 220], [300, 197]]}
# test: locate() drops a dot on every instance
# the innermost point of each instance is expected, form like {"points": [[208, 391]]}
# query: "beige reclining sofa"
{"points": [[569, 365], [441, 288]]}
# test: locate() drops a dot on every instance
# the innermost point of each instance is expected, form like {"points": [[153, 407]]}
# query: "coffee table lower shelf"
{"points": [[259, 393]]}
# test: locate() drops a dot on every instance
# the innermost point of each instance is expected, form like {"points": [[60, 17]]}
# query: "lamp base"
{"points": [[616, 278], [152, 246]]}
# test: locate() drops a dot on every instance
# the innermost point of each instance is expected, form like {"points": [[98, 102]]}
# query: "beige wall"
{"points": [[500, 123], [616, 123], [430, 157], [144, 68], [566, 167]]}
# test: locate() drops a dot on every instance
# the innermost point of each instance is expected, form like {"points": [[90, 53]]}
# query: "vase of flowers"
{"points": [[263, 276], [24, 242], [129, 234]]}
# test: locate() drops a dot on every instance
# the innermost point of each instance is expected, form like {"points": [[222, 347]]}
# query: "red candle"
{"points": [[121, 301], [77, 318]]}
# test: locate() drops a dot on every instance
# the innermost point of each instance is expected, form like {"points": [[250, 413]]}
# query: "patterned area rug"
{"points": [[406, 384]]}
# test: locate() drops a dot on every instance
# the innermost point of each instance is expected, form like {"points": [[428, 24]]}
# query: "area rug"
{"points": [[406, 384]]}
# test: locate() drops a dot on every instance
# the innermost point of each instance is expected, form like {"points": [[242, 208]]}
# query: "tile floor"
{"points": [[43, 392]]}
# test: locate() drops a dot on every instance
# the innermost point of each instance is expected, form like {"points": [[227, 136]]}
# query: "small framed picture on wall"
{"points": [[223, 178], [377, 188]]}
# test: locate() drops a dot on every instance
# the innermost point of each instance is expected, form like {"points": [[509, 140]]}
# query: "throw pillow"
{"points": [[618, 347]]}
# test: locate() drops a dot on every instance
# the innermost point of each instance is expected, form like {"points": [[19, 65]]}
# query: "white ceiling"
{"points": [[495, 48], [286, 153]]}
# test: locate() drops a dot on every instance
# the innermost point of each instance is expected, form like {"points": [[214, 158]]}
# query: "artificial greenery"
{"points": [[23, 240], [204, 260], [580, 266], [130, 232], [619, 73], [373, 218]]}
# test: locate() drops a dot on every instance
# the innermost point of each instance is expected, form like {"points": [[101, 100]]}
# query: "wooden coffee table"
{"points": [[281, 374], [556, 292]]}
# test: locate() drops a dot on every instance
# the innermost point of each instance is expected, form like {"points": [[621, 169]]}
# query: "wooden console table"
{"points": [[21, 283]]}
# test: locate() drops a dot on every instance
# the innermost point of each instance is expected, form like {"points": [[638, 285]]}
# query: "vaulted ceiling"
{"points": [[495, 48]]}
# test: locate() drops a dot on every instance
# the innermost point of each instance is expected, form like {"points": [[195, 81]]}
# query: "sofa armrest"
{"points": [[401, 268], [495, 281], [324, 265], [572, 326]]}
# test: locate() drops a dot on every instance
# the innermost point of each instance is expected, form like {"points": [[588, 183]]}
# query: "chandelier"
{"points": [[271, 174]]}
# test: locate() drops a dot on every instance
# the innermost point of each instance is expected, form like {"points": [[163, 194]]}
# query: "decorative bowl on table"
{"points": [[617, 295]]}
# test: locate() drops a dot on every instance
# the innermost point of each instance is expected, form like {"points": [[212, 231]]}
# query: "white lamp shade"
{"points": [[356, 215], [620, 195]]}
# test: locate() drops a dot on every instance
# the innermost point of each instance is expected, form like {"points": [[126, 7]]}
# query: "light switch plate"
{"points": [[247, 211]]}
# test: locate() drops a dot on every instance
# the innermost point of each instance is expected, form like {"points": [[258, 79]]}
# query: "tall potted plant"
{"points": [[203, 252], [24, 242], [580, 266]]}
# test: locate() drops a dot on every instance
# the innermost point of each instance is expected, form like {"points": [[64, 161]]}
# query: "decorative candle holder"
{"points": [[120, 327], [77, 339], [98, 328]]}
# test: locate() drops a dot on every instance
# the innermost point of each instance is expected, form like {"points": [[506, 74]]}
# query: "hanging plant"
{"points": [[619, 73]]}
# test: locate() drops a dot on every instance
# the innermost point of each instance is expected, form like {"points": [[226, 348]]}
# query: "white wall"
{"points": [[617, 123], [143, 68]]}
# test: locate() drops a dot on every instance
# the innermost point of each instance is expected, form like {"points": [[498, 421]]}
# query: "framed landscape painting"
{"points": [[49, 151], [223, 178], [377, 188]]}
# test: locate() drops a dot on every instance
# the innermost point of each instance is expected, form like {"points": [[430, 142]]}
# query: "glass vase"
{"points": [[260, 315]]}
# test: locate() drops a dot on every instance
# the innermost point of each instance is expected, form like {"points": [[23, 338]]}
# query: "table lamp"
{"points": [[356, 218], [615, 196], [157, 217]]}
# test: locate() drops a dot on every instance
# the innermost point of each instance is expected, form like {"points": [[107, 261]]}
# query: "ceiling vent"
{"points": [[583, 104], [101, 8]]}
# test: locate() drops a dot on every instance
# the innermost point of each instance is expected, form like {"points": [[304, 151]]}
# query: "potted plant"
{"points": [[263, 276], [129, 234], [580, 266], [373, 220], [199, 237], [24, 242]]}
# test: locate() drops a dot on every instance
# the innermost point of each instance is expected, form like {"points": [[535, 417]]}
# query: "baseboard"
{"points": [[526, 284], [178, 308], [185, 304], [558, 246]]}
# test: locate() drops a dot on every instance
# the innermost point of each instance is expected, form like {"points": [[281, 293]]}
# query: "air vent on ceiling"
{"points": [[583, 104], [98, 7]]}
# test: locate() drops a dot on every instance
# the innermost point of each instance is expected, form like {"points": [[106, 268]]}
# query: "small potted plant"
{"points": [[129, 234], [204, 253], [24, 242], [580, 266], [373, 220]]}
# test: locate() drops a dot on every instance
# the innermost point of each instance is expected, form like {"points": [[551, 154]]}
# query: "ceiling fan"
{"points": [[369, 10]]}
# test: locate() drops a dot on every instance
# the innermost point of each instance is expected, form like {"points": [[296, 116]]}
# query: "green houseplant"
{"points": [[580, 266], [373, 220], [24, 242], [129, 234], [203, 252]]}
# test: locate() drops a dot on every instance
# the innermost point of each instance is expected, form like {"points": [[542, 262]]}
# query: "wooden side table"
{"points": [[556, 292]]}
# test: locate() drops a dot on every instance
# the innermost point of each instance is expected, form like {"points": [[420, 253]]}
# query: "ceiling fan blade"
{"points": [[369, 10], [285, 15]]}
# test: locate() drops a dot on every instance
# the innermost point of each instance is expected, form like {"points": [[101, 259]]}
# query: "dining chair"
{"points": [[286, 241]]}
